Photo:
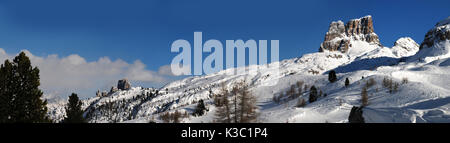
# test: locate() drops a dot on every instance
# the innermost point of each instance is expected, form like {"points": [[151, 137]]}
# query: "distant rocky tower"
{"points": [[123, 84], [339, 35]]}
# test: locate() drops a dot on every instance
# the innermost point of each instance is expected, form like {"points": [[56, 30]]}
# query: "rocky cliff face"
{"points": [[123, 84], [440, 32], [339, 35]]}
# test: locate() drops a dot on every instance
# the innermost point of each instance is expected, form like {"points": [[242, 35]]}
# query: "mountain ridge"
{"points": [[366, 59]]}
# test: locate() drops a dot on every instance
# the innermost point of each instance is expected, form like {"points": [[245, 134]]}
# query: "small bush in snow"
{"points": [[371, 82], [390, 85], [405, 80], [387, 82], [170, 117], [165, 117], [301, 103], [395, 88]]}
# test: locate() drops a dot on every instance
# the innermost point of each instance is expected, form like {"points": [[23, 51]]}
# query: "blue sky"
{"points": [[144, 30]]}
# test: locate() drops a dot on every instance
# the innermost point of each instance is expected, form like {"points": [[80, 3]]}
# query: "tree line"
{"points": [[21, 99]]}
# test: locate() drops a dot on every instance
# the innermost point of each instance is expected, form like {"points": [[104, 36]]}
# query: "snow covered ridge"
{"points": [[436, 44], [400, 88]]}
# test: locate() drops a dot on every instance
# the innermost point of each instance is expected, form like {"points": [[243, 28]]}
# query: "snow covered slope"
{"points": [[421, 93]]}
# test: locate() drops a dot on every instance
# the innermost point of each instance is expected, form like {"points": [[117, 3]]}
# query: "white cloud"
{"points": [[63, 75], [138, 72], [167, 70]]}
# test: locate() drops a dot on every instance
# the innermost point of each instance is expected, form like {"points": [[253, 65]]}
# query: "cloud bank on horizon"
{"points": [[61, 76]]}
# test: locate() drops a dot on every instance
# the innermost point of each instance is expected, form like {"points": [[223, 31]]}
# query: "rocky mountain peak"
{"points": [[123, 84], [339, 34], [440, 32], [405, 46]]}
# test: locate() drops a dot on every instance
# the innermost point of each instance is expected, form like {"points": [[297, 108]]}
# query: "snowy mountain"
{"points": [[436, 43], [404, 84]]}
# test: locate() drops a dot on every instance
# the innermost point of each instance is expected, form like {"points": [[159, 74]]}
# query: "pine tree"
{"points": [[19, 92], [200, 109], [301, 103], [6, 93], [347, 82], [73, 110], [312, 94], [332, 76]]}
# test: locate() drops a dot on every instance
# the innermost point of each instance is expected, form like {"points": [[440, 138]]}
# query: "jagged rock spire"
{"points": [[339, 35], [123, 84]]}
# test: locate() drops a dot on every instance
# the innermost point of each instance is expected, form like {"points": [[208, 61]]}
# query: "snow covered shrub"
{"points": [[165, 117], [371, 82], [170, 117], [176, 117], [301, 103], [405, 80], [395, 88], [387, 83], [291, 93], [275, 99], [390, 85]]}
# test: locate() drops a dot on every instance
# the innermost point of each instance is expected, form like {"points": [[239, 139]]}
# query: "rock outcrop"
{"points": [[339, 35], [440, 32], [123, 84], [101, 94], [113, 89], [98, 93], [356, 115]]}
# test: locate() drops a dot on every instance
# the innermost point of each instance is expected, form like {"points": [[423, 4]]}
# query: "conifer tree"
{"points": [[347, 82], [19, 93], [200, 109], [332, 76], [73, 110], [313, 94]]}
